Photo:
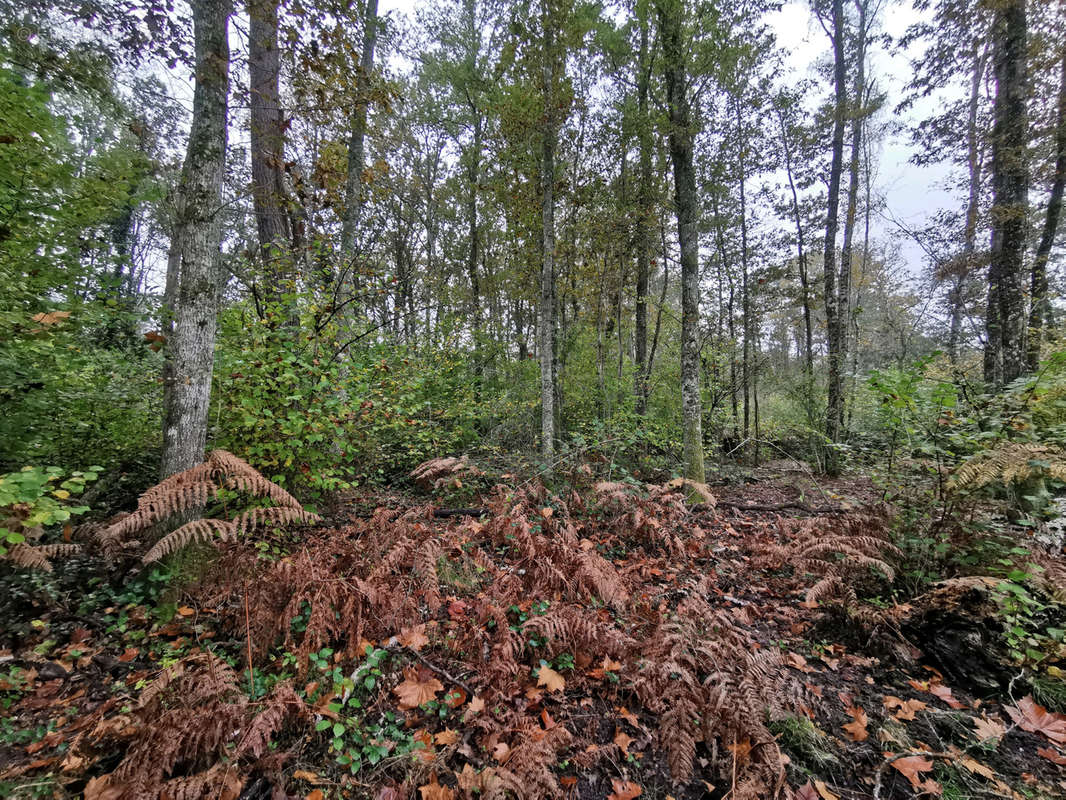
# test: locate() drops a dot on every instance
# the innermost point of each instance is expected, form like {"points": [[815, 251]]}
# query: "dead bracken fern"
{"points": [[188, 493], [1010, 463], [444, 472], [838, 549], [395, 579], [193, 735]]}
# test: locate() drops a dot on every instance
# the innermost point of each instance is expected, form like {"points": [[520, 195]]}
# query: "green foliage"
{"points": [[34, 498]]}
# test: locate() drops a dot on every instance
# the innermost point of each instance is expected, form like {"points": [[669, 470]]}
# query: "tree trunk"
{"points": [[266, 124], [546, 312], [644, 219], [801, 255], [1040, 315], [194, 288], [1006, 320], [670, 23], [973, 201], [847, 247], [834, 324], [353, 189]]}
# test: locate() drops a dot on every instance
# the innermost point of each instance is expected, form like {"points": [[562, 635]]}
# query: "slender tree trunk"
{"points": [[745, 294], [844, 286], [353, 189], [546, 311], [1006, 322], [473, 176], [194, 256], [975, 166], [266, 123], [644, 218], [801, 254], [835, 403], [685, 198], [1040, 315]]}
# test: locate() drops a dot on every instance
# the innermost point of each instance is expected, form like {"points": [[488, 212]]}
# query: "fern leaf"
{"points": [[199, 530]]}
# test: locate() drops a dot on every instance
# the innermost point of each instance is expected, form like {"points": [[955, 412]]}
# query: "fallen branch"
{"points": [[698, 507], [441, 513]]}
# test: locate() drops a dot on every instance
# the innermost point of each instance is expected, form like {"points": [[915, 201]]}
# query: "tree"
{"points": [[1040, 313], [266, 128], [834, 320], [546, 309], [671, 15], [353, 190], [192, 286], [1005, 353], [645, 212]]}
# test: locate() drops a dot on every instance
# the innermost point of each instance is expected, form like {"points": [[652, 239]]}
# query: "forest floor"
{"points": [[611, 643]]}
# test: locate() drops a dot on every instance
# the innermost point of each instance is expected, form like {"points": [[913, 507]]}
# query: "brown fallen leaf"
{"points": [[550, 679], [417, 689], [823, 791], [806, 792], [857, 727], [906, 708], [414, 637], [304, 775], [434, 791], [446, 737], [623, 740], [944, 693], [315, 794], [469, 780], [986, 728], [1029, 716], [624, 790], [911, 766], [977, 768], [1051, 755]]}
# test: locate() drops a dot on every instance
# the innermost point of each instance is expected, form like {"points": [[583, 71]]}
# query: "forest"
{"points": [[484, 399]]}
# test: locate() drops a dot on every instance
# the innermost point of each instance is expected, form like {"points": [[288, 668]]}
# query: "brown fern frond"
{"points": [[1007, 463], [256, 518], [27, 556], [199, 530]]}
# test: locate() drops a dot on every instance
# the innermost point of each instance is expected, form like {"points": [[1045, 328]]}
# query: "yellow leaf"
{"points": [[62, 494]]}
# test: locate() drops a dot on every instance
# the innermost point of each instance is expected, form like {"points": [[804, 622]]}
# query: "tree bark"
{"points": [[193, 289], [835, 401], [353, 189], [801, 255], [266, 128], [645, 219], [851, 210], [1006, 321], [973, 201], [546, 311], [674, 71], [1040, 314]]}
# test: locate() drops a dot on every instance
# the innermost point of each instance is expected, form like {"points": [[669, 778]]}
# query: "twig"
{"points": [[769, 507]]}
